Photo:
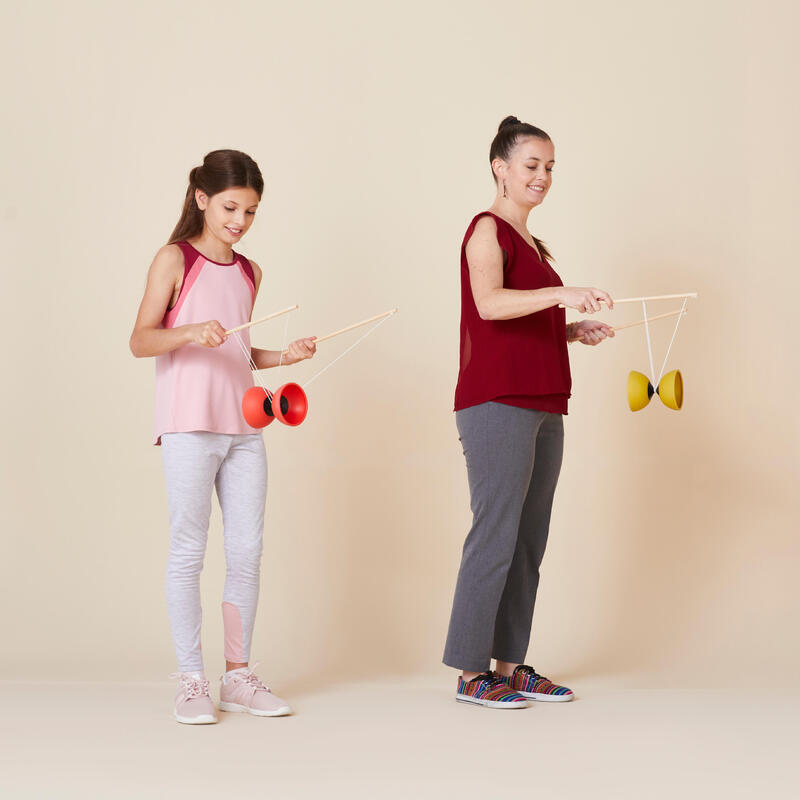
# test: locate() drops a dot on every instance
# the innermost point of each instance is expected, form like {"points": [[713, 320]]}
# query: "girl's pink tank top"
{"points": [[201, 388]]}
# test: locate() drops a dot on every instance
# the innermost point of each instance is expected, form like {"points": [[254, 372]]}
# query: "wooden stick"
{"points": [[616, 328], [263, 319], [651, 297], [655, 297], [357, 325]]}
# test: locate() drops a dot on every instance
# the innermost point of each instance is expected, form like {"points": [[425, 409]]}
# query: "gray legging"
{"points": [[513, 460], [236, 465]]}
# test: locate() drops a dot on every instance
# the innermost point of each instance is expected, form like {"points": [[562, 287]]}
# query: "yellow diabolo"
{"points": [[640, 390]]}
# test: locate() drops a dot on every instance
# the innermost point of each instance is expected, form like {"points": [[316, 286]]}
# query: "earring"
{"points": [[504, 189]]}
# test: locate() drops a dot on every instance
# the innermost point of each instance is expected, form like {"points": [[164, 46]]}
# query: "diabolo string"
{"points": [[342, 355], [674, 333], [248, 355], [649, 348]]}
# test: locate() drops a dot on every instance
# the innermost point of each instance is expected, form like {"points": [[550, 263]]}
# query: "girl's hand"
{"points": [[207, 334], [300, 350], [590, 332], [587, 301]]}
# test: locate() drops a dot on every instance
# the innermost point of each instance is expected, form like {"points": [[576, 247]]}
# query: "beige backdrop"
{"points": [[673, 553]]}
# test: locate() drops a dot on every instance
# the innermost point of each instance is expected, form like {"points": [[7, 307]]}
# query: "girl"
{"points": [[198, 287], [513, 386]]}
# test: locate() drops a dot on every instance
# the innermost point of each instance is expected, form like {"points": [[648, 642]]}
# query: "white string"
{"points": [[249, 356], [649, 348], [283, 347], [342, 355], [674, 334]]}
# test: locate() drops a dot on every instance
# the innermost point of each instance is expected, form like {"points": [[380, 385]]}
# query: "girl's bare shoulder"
{"points": [[168, 261]]}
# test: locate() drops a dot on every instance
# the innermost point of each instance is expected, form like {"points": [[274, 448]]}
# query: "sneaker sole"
{"points": [[283, 711], [547, 698], [202, 719], [465, 698]]}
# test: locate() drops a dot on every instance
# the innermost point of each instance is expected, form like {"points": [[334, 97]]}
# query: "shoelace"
{"points": [[194, 687], [492, 680], [252, 680], [526, 670]]}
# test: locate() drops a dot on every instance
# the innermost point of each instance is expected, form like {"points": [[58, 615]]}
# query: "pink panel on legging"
{"points": [[232, 622]]}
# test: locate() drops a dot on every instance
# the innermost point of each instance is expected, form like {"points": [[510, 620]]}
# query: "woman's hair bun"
{"points": [[508, 121]]}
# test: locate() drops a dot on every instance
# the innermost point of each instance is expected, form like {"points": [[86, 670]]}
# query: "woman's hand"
{"points": [[300, 350], [587, 301], [590, 332], [207, 334]]}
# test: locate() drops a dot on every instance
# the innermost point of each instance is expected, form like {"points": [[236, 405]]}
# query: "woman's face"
{"points": [[230, 213], [529, 172]]}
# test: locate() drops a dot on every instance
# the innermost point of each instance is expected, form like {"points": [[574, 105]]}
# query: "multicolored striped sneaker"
{"points": [[489, 689], [527, 682]]}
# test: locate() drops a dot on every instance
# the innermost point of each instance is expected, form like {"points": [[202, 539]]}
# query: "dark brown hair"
{"points": [[221, 170], [510, 131]]}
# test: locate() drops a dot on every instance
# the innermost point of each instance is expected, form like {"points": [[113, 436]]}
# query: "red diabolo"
{"points": [[290, 404], [257, 408]]}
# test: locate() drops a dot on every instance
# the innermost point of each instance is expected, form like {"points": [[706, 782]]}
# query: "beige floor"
{"points": [[404, 738]]}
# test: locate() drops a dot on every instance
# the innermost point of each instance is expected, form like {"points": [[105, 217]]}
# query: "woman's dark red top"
{"points": [[521, 362]]}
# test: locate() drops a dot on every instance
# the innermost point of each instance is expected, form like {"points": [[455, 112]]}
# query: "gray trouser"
{"points": [[513, 460]]}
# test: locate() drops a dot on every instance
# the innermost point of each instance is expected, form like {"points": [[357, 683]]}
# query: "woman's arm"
{"points": [[297, 351], [494, 302], [163, 283], [589, 331]]}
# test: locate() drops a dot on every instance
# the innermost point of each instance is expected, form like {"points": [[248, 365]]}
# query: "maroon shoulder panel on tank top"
{"points": [[247, 267], [523, 361], [190, 255]]}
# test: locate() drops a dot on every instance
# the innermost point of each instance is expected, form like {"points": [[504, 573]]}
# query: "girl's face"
{"points": [[228, 214], [529, 172]]}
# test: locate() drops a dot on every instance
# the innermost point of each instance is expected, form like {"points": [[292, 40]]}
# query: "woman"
{"points": [[513, 386]]}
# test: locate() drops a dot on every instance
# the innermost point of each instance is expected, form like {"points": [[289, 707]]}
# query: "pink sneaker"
{"points": [[193, 706], [241, 690]]}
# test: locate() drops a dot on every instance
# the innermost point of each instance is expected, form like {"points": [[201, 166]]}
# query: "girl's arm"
{"points": [[297, 350], [163, 285], [485, 261]]}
